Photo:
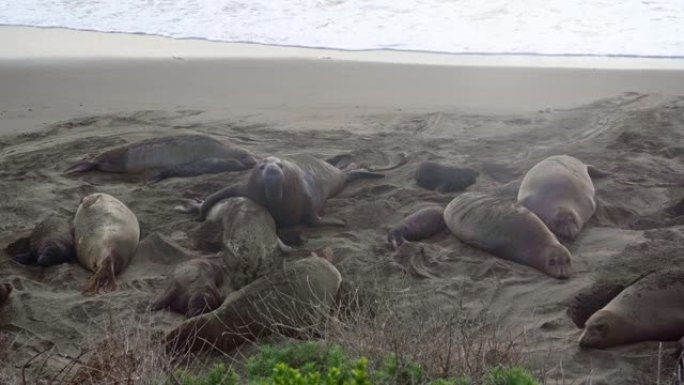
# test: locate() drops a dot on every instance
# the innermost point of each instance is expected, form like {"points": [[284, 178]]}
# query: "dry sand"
{"points": [[498, 120]]}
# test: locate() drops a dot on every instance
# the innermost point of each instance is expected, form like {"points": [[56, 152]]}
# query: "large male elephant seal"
{"points": [[193, 288], [295, 298], [245, 235], [422, 224], [107, 234], [51, 242], [507, 230], [169, 156], [559, 190], [293, 189], [5, 290], [652, 309]]}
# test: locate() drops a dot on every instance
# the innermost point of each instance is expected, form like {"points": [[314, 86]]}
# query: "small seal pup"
{"points": [[179, 155], [652, 309], [245, 234], [107, 234], [508, 230], [434, 176], [193, 288], [5, 290], [559, 190], [296, 297], [51, 242], [422, 224], [293, 189]]}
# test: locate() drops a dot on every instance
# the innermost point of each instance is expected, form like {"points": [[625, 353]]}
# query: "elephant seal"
{"points": [[652, 309], [5, 290], [169, 156], [559, 190], [245, 235], [107, 234], [434, 176], [193, 288], [296, 297], [508, 230], [51, 242], [293, 189], [420, 225]]}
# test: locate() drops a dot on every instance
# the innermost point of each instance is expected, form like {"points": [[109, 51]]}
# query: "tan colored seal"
{"points": [[560, 191], [652, 309], [295, 298], [179, 155], [508, 230], [193, 288], [51, 242], [293, 189], [107, 234]]}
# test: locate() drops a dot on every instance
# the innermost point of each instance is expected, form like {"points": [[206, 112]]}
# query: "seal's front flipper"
{"points": [[200, 167], [102, 279], [82, 166], [597, 173]]}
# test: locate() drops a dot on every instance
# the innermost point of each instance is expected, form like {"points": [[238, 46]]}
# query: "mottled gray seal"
{"points": [[434, 176], [193, 288], [560, 191], [245, 235], [107, 234], [420, 225], [651, 309], [293, 189], [508, 230], [169, 156], [51, 242], [5, 290], [294, 298]]}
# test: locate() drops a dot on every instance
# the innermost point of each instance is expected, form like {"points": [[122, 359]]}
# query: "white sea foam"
{"points": [[585, 27]]}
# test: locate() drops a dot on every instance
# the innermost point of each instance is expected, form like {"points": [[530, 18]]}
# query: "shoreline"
{"points": [[24, 42]]}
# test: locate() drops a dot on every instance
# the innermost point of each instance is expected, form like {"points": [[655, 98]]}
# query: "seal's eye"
{"points": [[262, 167], [552, 262], [280, 165]]}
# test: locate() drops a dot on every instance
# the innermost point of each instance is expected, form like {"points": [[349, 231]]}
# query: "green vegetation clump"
{"points": [[311, 363]]}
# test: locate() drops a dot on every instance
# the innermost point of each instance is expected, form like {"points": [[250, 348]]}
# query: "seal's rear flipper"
{"points": [[341, 161], [596, 173], [362, 174], [82, 166], [189, 206], [102, 279]]}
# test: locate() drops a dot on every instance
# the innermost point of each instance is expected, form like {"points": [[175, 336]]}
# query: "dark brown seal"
{"points": [[434, 176], [294, 298], [652, 309], [420, 225], [193, 288], [5, 290], [169, 156], [293, 189], [51, 242], [508, 230]]}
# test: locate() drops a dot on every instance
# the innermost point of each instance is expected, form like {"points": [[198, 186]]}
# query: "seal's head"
{"points": [[273, 177], [602, 330], [565, 224], [558, 261]]}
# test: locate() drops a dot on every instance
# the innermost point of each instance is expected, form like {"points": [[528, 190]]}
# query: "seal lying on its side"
{"points": [[193, 287], [652, 309], [559, 190], [245, 234], [434, 176], [507, 230], [293, 189], [5, 290], [420, 225], [169, 156], [51, 242], [296, 297], [107, 234]]}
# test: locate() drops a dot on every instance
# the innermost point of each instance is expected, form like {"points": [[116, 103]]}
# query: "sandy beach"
{"points": [[65, 95]]}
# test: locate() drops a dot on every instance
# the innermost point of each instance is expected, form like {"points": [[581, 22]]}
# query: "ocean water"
{"points": [[548, 27]]}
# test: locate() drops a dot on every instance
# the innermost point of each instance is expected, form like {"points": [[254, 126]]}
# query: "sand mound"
{"points": [[639, 138]]}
